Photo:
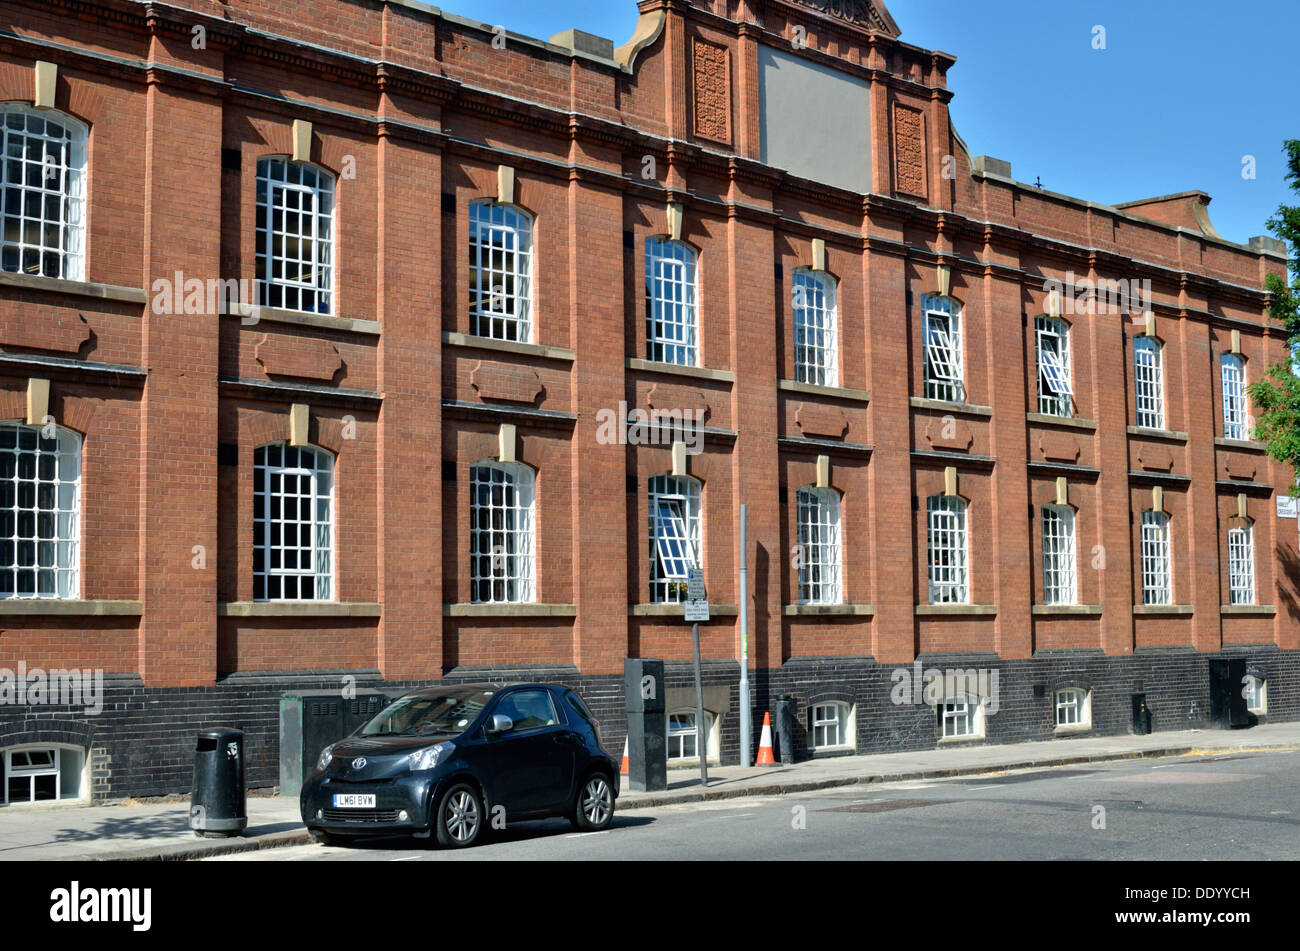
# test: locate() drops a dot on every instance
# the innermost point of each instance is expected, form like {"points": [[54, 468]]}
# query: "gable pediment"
{"points": [[868, 14]]}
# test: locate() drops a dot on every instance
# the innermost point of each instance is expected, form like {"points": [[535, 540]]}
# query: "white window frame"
{"points": [[816, 323], [43, 213], [1236, 416], [1073, 708], [941, 333], [947, 534], [672, 294], [502, 551], [820, 549], [33, 773], [823, 718], [501, 272], [961, 718], [316, 467], [1060, 555], [675, 536], [312, 291], [40, 513], [1149, 382], [1241, 560], [1157, 559], [679, 736], [1256, 693], [1055, 389]]}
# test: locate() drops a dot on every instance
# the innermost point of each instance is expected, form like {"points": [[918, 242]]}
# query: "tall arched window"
{"points": [[1060, 577], [295, 235], [40, 507], [672, 326], [501, 272], [1241, 561], [501, 540], [1232, 370], [819, 546], [1149, 382], [815, 325], [674, 535], [947, 545], [42, 180], [944, 379], [1055, 392], [1157, 574], [293, 524]]}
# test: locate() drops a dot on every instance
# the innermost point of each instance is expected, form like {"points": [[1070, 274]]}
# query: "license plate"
{"points": [[354, 801]]}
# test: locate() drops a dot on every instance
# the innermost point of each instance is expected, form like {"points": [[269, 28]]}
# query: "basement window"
{"points": [[42, 774]]}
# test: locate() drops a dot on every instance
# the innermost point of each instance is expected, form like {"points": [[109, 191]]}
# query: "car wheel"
{"points": [[459, 817], [593, 807]]}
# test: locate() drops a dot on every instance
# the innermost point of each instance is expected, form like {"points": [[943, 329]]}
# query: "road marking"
{"points": [[743, 815], [409, 858], [583, 835]]}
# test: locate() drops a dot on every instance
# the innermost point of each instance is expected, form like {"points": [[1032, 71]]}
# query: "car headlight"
{"points": [[326, 755], [430, 757]]}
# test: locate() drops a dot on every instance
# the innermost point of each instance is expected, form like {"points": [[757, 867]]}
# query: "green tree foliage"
{"points": [[1277, 397]]}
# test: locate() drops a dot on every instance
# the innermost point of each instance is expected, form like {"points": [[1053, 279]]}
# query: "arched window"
{"points": [[815, 325], [830, 726], [293, 523], [671, 320], [1055, 391], [674, 535], [961, 717], [1241, 561], [501, 272], [683, 738], [1233, 373], [501, 541], [943, 349], [946, 535], [42, 772], [1157, 576], [42, 180], [819, 546], [1256, 694], [1073, 707], [1060, 584], [1149, 382], [40, 504], [295, 235]]}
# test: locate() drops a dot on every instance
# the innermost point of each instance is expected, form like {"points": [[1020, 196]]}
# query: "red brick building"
{"points": [[314, 316]]}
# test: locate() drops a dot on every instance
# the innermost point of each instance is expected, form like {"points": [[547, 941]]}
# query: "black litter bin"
{"points": [[217, 798], [784, 716]]}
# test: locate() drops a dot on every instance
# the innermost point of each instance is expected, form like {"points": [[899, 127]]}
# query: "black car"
{"points": [[454, 760]]}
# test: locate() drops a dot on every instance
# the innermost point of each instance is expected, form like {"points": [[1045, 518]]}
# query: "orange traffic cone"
{"points": [[765, 743], [624, 770]]}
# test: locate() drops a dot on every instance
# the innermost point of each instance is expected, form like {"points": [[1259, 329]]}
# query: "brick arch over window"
{"points": [[265, 428], [75, 412], [77, 99], [931, 482], [13, 404], [327, 149], [70, 732]]}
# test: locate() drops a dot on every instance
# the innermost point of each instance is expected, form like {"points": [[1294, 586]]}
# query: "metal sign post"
{"points": [[697, 609]]}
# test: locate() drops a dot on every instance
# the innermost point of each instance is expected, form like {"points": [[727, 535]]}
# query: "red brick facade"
{"points": [[414, 111]]}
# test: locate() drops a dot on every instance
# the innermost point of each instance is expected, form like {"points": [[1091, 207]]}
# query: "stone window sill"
{"points": [[471, 342], [816, 389], [1067, 610], [298, 609], [1167, 609], [54, 285], [1249, 445], [1172, 435], [1072, 729], [250, 316], [1046, 419], [677, 610], [677, 369], [814, 610], [956, 610], [961, 409], [1259, 610], [948, 740], [529, 609], [70, 607]]}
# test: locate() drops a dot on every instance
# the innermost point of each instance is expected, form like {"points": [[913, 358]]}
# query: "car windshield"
{"points": [[449, 711]]}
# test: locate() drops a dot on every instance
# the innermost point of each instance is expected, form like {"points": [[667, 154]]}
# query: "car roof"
{"points": [[487, 687]]}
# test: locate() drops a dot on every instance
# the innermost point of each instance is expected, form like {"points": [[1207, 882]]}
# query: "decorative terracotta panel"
{"points": [[1155, 458], [712, 84], [954, 434], [1059, 447], [826, 421], [506, 382], [40, 327], [302, 357], [909, 151]]}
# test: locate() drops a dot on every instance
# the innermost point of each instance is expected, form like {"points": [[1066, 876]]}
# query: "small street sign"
{"points": [[695, 585], [697, 611], [1288, 507]]}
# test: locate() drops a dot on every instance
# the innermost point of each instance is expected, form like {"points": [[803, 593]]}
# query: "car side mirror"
{"points": [[500, 723]]}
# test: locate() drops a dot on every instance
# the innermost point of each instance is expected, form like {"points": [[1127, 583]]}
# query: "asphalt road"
{"points": [[1227, 806]]}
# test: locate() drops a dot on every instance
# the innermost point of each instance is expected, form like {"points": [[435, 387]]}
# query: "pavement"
{"points": [[159, 831]]}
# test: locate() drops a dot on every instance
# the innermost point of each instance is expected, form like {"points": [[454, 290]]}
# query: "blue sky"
{"points": [[1183, 92]]}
